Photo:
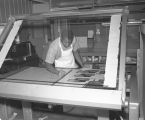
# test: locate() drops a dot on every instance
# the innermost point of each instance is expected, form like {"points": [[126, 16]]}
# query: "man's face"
{"points": [[66, 42]]}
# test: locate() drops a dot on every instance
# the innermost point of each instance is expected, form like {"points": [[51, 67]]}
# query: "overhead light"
{"points": [[40, 1]]}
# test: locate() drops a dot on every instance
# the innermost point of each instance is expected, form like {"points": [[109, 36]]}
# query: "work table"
{"points": [[37, 84]]}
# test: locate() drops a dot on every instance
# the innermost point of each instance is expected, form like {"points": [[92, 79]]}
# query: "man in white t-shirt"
{"points": [[62, 53]]}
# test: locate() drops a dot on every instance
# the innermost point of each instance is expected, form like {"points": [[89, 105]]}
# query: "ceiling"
{"points": [[133, 5]]}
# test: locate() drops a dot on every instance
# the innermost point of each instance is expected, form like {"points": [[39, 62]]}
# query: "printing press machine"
{"points": [[102, 88]]}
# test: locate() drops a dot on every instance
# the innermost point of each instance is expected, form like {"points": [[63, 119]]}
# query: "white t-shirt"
{"points": [[54, 51]]}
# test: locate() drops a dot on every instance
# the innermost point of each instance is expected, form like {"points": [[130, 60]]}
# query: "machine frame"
{"points": [[61, 94]]}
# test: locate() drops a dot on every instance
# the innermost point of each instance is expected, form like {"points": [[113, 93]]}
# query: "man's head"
{"points": [[67, 38]]}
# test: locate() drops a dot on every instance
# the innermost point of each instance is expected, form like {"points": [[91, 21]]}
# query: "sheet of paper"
{"points": [[76, 78], [90, 33], [112, 52], [70, 78], [9, 41]]}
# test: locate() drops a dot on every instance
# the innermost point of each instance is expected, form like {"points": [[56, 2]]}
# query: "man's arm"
{"points": [[51, 68], [50, 58], [75, 52], [78, 58]]}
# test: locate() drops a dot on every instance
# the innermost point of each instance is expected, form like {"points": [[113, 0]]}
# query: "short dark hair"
{"points": [[67, 33]]}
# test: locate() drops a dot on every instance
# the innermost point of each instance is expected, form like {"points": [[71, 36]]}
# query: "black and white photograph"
{"points": [[72, 59]]}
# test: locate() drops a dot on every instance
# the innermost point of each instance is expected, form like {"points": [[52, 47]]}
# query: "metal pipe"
{"points": [[128, 23]]}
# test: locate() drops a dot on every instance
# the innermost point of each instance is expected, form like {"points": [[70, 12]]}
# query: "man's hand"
{"points": [[61, 73], [81, 65]]}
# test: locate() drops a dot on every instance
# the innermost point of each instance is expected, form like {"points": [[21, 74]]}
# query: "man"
{"points": [[62, 54]]}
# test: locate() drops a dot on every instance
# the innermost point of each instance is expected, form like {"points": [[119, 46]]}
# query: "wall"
{"points": [[38, 32], [132, 35], [133, 39], [40, 8], [14, 7], [81, 30]]}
